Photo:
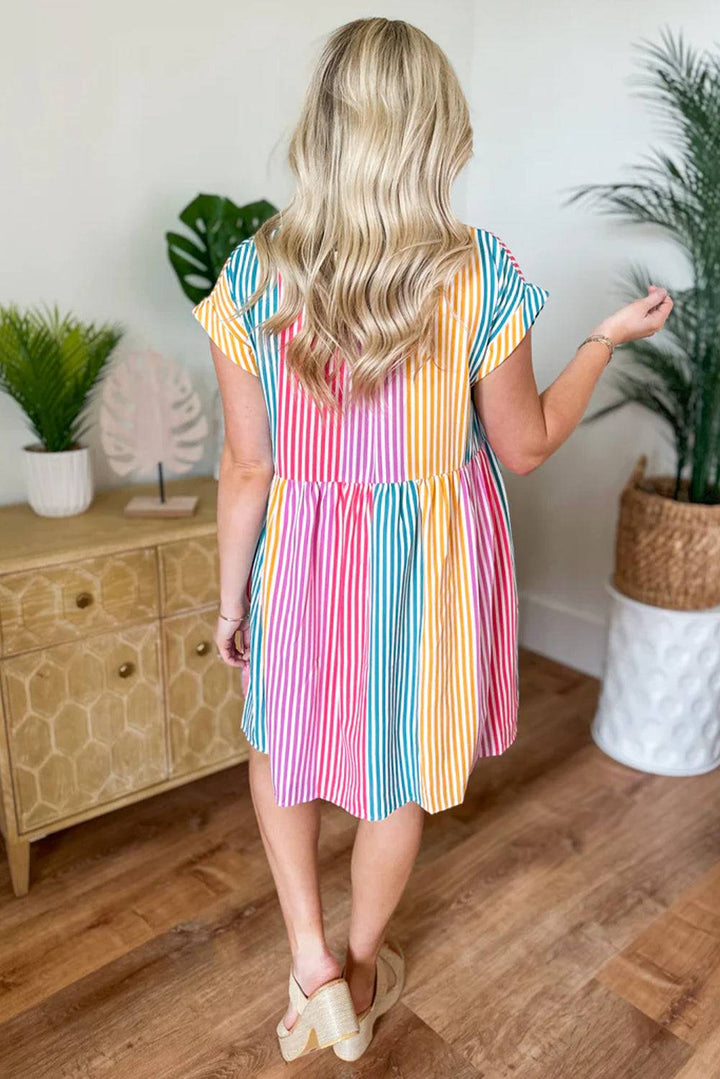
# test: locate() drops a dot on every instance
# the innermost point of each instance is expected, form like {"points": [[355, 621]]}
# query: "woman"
{"points": [[381, 367]]}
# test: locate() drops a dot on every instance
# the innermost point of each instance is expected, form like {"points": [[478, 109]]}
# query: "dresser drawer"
{"points": [[204, 696], [41, 607], [85, 723], [189, 573]]}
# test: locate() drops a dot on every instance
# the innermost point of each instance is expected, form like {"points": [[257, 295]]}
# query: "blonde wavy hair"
{"points": [[369, 243]]}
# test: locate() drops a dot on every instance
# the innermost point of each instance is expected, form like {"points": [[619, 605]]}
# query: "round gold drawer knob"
{"points": [[126, 669], [83, 599], [203, 648]]}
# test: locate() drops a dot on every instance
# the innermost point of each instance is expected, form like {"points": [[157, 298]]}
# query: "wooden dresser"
{"points": [[110, 685]]}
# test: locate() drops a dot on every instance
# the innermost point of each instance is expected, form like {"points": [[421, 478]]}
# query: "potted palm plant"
{"points": [[660, 705], [49, 365]]}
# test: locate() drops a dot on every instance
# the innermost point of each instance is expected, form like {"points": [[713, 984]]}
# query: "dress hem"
{"points": [[399, 805]]}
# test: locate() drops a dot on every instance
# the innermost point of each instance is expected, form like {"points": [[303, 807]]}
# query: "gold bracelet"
{"points": [[221, 615], [603, 339]]}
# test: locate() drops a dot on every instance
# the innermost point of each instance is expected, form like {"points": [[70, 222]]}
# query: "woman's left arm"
{"points": [[246, 472]]}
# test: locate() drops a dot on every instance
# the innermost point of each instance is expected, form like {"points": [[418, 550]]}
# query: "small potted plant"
{"points": [[660, 704], [49, 365]]}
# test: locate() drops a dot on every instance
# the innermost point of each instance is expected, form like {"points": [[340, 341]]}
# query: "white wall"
{"points": [[553, 93], [115, 116]]}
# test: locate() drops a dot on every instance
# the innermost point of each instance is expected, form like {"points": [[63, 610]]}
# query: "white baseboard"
{"points": [[572, 637]]}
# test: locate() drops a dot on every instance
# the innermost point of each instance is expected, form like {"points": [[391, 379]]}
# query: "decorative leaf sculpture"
{"points": [[218, 226], [150, 414]]}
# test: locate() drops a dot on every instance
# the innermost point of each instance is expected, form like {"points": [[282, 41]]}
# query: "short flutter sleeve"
{"points": [[514, 303], [218, 315]]}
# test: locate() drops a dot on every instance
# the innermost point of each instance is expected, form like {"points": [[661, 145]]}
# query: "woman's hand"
{"points": [[641, 318], [228, 649]]}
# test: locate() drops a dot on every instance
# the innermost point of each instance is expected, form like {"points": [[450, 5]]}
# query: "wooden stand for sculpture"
{"points": [[148, 506], [153, 507]]}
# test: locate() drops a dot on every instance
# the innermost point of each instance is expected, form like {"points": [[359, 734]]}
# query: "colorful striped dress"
{"points": [[383, 598]]}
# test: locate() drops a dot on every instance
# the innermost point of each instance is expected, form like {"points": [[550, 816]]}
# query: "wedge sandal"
{"points": [[389, 982], [324, 1018]]}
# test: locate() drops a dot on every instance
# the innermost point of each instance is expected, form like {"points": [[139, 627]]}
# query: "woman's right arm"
{"points": [[525, 427]]}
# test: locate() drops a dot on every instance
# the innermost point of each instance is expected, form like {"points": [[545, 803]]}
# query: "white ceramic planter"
{"points": [[659, 708], [58, 484]]}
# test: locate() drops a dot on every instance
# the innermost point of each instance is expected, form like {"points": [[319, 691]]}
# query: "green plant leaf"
{"points": [[49, 364], [676, 377], [217, 226]]}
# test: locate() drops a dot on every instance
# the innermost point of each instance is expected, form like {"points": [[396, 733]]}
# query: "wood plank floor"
{"points": [[563, 923]]}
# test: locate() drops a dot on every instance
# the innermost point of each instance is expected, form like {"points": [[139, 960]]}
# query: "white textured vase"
{"points": [[659, 708], [58, 484]]}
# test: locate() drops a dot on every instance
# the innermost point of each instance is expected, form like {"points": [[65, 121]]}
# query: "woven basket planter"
{"points": [[667, 552]]}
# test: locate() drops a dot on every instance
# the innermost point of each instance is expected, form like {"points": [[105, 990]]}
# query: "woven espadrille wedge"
{"points": [[389, 981], [324, 1018]]}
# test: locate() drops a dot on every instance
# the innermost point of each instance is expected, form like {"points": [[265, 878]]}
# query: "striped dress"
{"points": [[383, 598]]}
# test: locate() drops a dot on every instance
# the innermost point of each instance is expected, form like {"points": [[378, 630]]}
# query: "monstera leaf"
{"points": [[150, 414], [218, 226]]}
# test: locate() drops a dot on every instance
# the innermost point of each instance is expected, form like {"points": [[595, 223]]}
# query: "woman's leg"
{"points": [[290, 838], [383, 856]]}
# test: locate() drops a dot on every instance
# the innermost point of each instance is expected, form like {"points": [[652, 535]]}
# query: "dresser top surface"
{"points": [[28, 540]]}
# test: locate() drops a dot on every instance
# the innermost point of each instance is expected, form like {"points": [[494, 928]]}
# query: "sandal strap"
{"points": [[390, 966], [297, 997]]}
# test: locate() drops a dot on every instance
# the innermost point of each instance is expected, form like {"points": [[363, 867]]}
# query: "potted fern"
{"points": [[49, 365], [660, 705]]}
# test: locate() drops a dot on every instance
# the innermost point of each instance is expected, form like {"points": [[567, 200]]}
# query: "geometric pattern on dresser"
{"points": [[85, 723], [57, 603], [204, 695], [189, 573]]}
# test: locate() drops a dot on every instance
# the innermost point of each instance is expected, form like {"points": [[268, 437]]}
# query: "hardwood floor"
{"points": [[563, 923]]}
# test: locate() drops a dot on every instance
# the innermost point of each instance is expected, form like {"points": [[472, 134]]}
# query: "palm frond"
{"points": [[50, 364], [678, 191]]}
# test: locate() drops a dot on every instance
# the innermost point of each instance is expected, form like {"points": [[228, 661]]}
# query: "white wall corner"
{"points": [[575, 638]]}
